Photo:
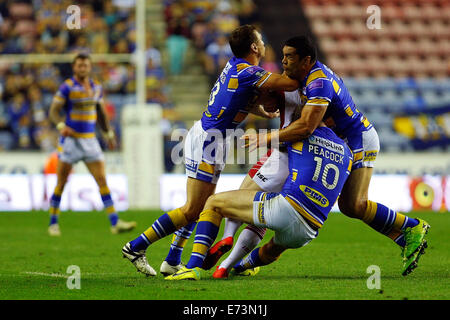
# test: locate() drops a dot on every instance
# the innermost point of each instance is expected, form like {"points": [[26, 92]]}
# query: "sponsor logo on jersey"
{"points": [[316, 84], [370, 155], [252, 69], [328, 144], [315, 196], [191, 165]]}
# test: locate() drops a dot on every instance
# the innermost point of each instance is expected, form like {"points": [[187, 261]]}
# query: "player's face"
{"points": [[82, 68], [294, 67], [260, 45]]}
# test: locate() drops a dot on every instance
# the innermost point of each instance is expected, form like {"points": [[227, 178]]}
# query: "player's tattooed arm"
{"points": [[59, 120], [105, 126]]}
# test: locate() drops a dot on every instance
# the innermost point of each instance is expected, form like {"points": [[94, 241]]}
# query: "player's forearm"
{"points": [[102, 119], [54, 115], [295, 132], [258, 110]]}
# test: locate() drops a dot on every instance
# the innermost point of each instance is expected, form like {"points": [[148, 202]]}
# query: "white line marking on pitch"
{"points": [[59, 275], [54, 275]]}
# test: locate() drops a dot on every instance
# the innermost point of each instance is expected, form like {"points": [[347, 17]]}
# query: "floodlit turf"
{"points": [[333, 266]]}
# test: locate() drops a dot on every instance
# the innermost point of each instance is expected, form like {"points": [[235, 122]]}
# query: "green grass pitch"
{"points": [[333, 266]]}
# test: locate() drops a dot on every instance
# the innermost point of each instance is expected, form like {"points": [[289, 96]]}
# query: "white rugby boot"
{"points": [[138, 259]]}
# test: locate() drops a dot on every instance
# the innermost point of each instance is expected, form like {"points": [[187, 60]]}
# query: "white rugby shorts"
{"points": [[71, 150], [273, 211], [271, 171], [365, 147], [205, 156]]}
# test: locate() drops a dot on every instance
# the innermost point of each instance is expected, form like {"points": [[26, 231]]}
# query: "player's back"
{"points": [[323, 86], [232, 92], [319, 167], [80, 106]]}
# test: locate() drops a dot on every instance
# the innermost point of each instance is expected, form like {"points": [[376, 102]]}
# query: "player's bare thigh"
{"points": [[354, 195], [249, 184], [237, 204], [62, 173], [197, 192], [97, 169]]}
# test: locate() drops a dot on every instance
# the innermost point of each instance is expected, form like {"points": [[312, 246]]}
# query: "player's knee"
{"points": [[215, 202], [191, 211], [268, 254], [353, 209]]}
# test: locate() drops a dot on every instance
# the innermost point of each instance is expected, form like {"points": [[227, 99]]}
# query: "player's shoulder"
{"points": [[318, 80], [69, 82], [244, 68], [96, 82]]}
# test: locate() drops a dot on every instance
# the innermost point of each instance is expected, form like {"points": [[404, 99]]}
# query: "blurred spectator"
{"points": [[19, 120], [177, 45], [247, 12], [224, 18], [217, 55], [37, 26]]}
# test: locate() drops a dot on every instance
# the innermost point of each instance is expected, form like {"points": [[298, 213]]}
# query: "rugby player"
{"points": [[327, 98], [318, 168], [81, 98], [207, 142]]}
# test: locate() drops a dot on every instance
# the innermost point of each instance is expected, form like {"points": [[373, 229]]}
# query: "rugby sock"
{"points": [[387, 221], [108, 204], [251, 261], [55, 200], [231, 226], [167, 224], [207, 229], [179, 240], [249, 238]]}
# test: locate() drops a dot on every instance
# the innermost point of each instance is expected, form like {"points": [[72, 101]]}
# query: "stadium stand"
{"points": [[402, 67], [398, 69]]}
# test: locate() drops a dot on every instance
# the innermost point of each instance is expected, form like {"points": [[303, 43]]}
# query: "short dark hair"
{"points": [[81, 56], [241, 40], [303, 46]]}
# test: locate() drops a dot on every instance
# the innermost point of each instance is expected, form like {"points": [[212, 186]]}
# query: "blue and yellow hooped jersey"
{"points": [[318, 168], [80, 107], [232, 92], [322, 87]]}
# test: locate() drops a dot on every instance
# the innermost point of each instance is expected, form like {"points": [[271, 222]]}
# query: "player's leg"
{"points": [[202, 166], [268, 253], [231, 227], [406, 232], [233, 204], [172, 263], [248, 239], [97, 170], [354, 203], [268, 174], [62, 172], [198, 192]]}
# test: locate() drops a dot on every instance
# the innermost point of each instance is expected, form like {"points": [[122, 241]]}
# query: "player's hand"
{"points": [[112, 143], [254, 140], [270, 114], [67, 132], [110, 138]]}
